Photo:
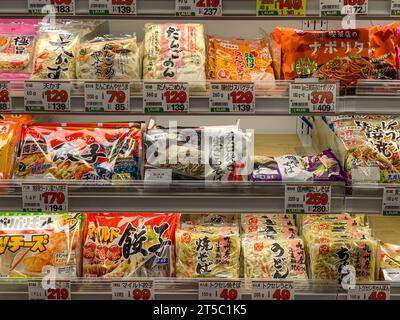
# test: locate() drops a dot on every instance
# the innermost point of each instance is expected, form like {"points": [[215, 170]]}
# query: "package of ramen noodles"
{"points": [[274, 259], [174, 52], [340, 55], [208, 252], [120, 245], [38, 244], [109, 58], [109, 151]]}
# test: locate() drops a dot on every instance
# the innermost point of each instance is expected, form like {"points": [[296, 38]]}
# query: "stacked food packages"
{"points": [[272, 248], [338, 245]]}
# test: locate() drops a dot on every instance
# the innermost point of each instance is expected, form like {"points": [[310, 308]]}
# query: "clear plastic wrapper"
{"points": [[210, 218], [277, 219]]}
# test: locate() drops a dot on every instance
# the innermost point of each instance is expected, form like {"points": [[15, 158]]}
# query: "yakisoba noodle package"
{"points": [[129, 244], [38, 244], [275, 219], [80, 152], [341, 55]]}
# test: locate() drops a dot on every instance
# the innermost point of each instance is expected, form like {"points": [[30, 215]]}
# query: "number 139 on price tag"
{"points": [[232, 97]]}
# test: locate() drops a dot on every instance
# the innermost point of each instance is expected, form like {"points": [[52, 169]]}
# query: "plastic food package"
{"points": [[80, 152], [129, 245], [322, 167], [239, 59], [274, 259], [207, 252], [342, 55], [390, 261], [109, 59], [267, 220], [38, 244], [210, 218], [268, 230], [175, 52]]}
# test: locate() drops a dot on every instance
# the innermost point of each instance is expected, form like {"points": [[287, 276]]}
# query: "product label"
{"points": [[60, 6], [219, 290], [198, 7], [44, 198], [232, 97], [272, 290], [281, 7], [165, 97], [355, 7], [307, 199], [107, 96], [133, 290], [158, 176], [330, 8], [47, 96], [112, 7], [395, 8], [369, 292], [38, 290], [5, 96], [312, 98], [391, 202]]}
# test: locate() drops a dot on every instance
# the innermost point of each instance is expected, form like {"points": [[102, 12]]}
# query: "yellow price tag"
{"points": [[281, 7]]}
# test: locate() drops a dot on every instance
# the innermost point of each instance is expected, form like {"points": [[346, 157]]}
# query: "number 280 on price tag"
{"points": [[219, 290], [232, 97], [307, 199]]}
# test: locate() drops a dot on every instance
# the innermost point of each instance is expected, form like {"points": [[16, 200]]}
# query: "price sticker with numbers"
{"points": [[395, 8], [232, 97], [39, 290], [307, 199], [47, 96], [198, 7], [272, 290], [112, 7], [281, 8], [329, 8], [165, 97], [133, 290], [5, 96], [369, 292], [60, 6], [107, 96], [44, 198], [219, 290], [391, 202], [307, 98], [355, 7]]}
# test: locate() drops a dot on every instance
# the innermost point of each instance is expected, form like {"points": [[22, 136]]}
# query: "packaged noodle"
{"points": [[267, 220], [210, 218], [174, 52], [342, 55], [36, 244], [80, 152], [274, 259], [270, 232], [321, 167], [105, 58], [239, 59], [389, 261], [207, 252], [129, 245]]}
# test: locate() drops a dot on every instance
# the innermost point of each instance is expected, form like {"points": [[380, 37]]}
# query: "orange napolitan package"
{"points": [[239, 59], [341, 55], [8, 142]]}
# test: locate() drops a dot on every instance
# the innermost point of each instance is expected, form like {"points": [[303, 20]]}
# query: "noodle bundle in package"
{"points": [[339, 55], [129, 245], [36, 244]]}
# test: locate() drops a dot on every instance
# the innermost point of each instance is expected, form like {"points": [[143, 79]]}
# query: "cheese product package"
{"points": [[40, 244], [175, 52], [80, 152], [274, 259], [109, 58], [208, 252], [340, 55], [121, 245]]}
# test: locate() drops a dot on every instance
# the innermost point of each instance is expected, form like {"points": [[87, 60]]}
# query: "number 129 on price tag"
{"points": [[166, 97], [219, 290], [232, 97], [47, 96]]}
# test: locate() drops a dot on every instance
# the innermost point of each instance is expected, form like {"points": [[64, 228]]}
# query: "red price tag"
{"points": [[58, 294], [47, 96], [133, 290], [219, 290], [289, 4], [307, 199], [59, 290], [107, 96], [232, 97], [64, 6], [272, 290], [356, 6], [317, 198], [123, 7], [369, 292], [5, 98], [229, 294], [141, 294], [44, 198], [166, 97]]}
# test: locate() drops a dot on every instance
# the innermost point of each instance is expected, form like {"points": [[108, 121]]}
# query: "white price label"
{"points": [[219, 290], [158, 176], [198, 7], [5, 96], [166, 97], [369, 292], [312, 98], [47, 96], [395, 8], [355, 7], [133, 290], [330, 8], [272, 290], [111, 7], [391, 202], [232, 97], [60, 6], [39, 290], [44, 198], [307, 199], [107, 96]]}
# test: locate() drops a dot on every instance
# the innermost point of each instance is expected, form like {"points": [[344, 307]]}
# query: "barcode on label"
{"points": [[300, 104], [154, 104], [32, 204], [396, 5], [220, 104], [392, 207], [295, 205], [184, 8], [94, 104], [330, 6], [33, 102], [105, 6], [119, 294]]}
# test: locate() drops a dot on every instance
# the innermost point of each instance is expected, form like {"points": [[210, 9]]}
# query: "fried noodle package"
{"points": [[129, 245]]}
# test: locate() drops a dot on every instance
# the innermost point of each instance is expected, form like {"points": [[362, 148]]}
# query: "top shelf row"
{"points": [[208, 8]]}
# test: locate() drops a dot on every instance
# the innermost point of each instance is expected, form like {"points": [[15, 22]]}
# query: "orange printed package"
{"points": [[239, 60], [340, 55], [118, 245]]}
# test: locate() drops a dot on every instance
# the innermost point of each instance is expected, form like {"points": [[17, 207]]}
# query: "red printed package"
{"points": [[129, 245]]}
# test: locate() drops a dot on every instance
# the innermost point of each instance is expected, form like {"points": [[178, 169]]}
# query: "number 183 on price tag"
{"points": [[307, 199]]}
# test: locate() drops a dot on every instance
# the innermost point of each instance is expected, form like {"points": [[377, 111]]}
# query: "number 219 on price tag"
{"points": [[219, 290], [61, 290]]}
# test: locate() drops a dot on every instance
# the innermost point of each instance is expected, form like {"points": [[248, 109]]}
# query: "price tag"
{"points": [[198, 7], [5, 96], [44, 198], [158, 176], [232, 97], [107, 96], [395, 8], [112, 7], [165, 97], [60, 291], [330, 8], [47, 96], [272, 290], [60, 6], [369, 292], [312, 98], [219, 290], [355, 7], [307, 199], [391, 202], [133, 290], [281, 8]]}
